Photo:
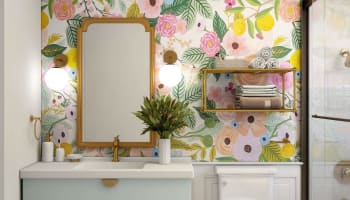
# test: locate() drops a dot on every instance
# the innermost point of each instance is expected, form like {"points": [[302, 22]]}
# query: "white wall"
{"points": [[22, 89], [1, 99]]}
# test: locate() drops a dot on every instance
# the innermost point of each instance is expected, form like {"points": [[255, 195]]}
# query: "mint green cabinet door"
{"points": [[93, 189]]}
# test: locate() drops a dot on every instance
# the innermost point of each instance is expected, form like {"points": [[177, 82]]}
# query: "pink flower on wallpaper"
{"points": [[60, 134], [106, 8], [166, 25], [276, 79], [181, 26], [210, 44], [63, 9], [289, 10], [235, 45], [71, 112], [225, 140], [247, 148], [230, 3], [200, 24], [226, 102], [284, 132], [230, 88], [163, 90], [215, 94], [253, 122], [151, 8]]}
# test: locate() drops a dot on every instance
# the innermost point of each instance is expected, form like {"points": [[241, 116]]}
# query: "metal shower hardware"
{"points": [[345, 53]]}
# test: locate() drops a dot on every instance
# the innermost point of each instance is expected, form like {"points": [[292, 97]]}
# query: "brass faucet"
{"points": [[115, 149]]}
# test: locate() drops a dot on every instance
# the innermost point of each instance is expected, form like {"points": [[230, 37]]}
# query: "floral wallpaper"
{"points": [[197, 30]]}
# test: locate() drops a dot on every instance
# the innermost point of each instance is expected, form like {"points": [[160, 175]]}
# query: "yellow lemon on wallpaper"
{"points": [[44, 20], [72, 58], [239, 26], [295, 59], [288, 150], [265, 22]]}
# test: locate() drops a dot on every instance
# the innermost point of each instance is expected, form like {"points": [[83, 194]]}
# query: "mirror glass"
{"points": [[116, 71]]}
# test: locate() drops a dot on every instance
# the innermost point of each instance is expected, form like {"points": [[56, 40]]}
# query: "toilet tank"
{"points": [[245, 182]]}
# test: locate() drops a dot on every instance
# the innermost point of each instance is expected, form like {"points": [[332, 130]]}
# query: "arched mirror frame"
{"points": [[81, 30]]}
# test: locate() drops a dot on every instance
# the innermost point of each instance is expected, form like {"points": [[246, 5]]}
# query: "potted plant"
{"points": [[163, 116]]}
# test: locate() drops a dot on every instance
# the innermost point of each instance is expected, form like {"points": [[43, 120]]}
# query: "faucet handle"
{"points": [[116, 140]]}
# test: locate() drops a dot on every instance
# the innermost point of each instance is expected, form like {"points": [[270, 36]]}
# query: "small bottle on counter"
{"points": [[59, 154]]}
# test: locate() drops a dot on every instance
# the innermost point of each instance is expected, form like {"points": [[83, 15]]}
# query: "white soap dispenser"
{"points": [[47, 150]]}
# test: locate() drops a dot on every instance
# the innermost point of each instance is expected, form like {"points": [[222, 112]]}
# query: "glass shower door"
{"points": [[329, 100]]}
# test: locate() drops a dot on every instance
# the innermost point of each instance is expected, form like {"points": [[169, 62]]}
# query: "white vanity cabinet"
{"points": [[93, 189], [84, 181], [286, 183]]}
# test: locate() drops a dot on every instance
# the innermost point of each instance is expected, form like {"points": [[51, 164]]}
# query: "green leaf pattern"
{"points": [[193, 56], [276, 8], [263, 12], [254, 2], [179, 90], [194, 93], [296, 35], [72, 30], [280, 51], [219, 26], [177, 7], [271, 152], [52, 50], [251, 29], [240, 2]]}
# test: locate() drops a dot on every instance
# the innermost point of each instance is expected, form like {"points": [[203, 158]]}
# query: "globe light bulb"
{"points": [[56, 78], [170, 75]]}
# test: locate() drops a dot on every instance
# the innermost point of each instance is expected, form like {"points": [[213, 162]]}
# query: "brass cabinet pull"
{"points": [[109, 182]]}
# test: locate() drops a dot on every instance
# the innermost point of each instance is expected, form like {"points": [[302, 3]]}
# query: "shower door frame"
{"points": [[304, 110]]}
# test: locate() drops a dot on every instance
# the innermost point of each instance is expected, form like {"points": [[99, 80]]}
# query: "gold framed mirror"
{"points": [[115, 70]]}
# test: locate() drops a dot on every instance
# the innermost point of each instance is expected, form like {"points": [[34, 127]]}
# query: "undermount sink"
{"points": [[110, 165], [102, 168]]}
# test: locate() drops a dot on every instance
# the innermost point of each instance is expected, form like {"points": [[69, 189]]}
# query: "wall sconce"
{"points": [[170, 74], [36, 121], [56, 78]]}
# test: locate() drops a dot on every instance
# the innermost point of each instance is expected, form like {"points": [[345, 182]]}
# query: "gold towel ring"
{"points": [[36, 120]]}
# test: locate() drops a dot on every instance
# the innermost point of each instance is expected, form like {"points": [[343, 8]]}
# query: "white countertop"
{"points": [[177, 169], [250, 163]]}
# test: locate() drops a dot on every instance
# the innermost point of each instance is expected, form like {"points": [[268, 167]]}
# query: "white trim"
{"points": [[2, 77], [248, 163]]}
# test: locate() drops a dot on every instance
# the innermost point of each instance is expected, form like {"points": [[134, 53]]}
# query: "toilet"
{"points": [[245, 182]]}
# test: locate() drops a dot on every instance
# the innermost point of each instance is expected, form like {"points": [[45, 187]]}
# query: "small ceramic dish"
{"points": [[74, 157]]}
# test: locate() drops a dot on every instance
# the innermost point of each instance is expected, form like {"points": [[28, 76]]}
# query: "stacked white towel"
{"points": [[257, 97], [265, 52], [272, 63], [264, 60], [258, 63], [257, 90], [229, 61]]}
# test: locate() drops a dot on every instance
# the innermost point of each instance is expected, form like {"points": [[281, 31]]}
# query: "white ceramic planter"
{"points": [[164, 151]]}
